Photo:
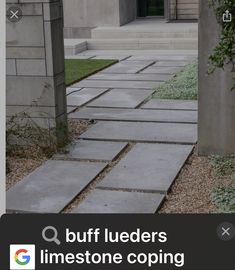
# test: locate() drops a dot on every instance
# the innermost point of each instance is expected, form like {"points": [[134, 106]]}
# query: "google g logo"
{"points": [[22, 257], [26, 258]]}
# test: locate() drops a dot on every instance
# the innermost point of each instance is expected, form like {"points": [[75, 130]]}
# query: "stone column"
{"points": [[35, 64], [216, 100]]}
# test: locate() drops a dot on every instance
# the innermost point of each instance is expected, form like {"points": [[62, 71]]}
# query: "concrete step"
{"points": [[119, 33], [143, 44], [74, 46]]}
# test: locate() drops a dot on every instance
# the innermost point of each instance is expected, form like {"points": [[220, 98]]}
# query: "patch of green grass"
{"points": [[78, 69], [183, 86]]}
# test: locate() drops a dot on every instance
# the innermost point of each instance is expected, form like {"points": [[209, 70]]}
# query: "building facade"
{"points": [[83, 15]]}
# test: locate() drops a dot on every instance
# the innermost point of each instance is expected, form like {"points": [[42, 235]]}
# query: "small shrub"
{"points": [[23, 132], [224, 198], [224, 166]]}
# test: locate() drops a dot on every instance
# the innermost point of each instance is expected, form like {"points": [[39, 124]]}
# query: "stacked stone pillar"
{"points": [[35, 64]]}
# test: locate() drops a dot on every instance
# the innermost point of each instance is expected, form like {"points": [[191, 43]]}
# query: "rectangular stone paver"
{"points": [[83, 96], [127, 67], [131, 77], [70, 90], [92, 150], [171, 63], [71, 109], [114, 202], [112, 57], [136, 115], [167, 104], [118, 84], [79, 56], [122, 98], [52, 186], [149, 167], [161, 70], [159, 57], [142, 132]]}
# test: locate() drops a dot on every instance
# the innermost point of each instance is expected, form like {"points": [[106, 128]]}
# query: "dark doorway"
{"points": [[150, 8]]}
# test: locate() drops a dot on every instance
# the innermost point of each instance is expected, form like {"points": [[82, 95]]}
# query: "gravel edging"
{"points": [[191, 192]]}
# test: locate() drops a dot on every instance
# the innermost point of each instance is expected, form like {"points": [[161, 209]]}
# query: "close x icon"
{"points": [[14, 14]]}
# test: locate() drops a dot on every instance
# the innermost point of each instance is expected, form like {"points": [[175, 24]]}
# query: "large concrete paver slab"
{"points": [[122, 98], [52, 186], [114, 202], [112, 57], [149, 167], [83, 96], [71, 109], [142, 132], [118, 84], [131, 77], [136, 115], [162, 57], [167, 104], [161, 70], [127, 67], [70, 90], [92, 150], [79, 56], [171, 63]]}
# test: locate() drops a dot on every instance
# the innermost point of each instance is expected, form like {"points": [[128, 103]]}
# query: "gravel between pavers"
{"points": [[20, 168], [191, 192], [97, 180]]}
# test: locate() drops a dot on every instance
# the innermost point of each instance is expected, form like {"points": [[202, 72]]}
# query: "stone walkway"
{"points": [[133, 152]]}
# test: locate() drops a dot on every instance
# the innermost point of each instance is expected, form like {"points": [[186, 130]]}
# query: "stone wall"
{"points": [[83, 15], [216, 100], [128, 11], [35, 64]]}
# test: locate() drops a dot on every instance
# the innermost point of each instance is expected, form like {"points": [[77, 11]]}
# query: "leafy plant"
{"points": [[224, 52], [224, 198], [183, 86], [224, 166]]}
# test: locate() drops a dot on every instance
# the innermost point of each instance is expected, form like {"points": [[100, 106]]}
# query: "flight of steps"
{"points": [[173, 36]]}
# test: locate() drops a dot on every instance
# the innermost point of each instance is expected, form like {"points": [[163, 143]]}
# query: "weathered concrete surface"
{"points": [[143, 132], [121, 98], [149, 167], [161, 70], [114, 202], [216, 101], [127, 67], [52, 186], [118, 84], [166, 104], [70, 90], [171, 63], [136, 115], [162, 57], [131, 77], [112, 56], [92, 150], [84, 96]]}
